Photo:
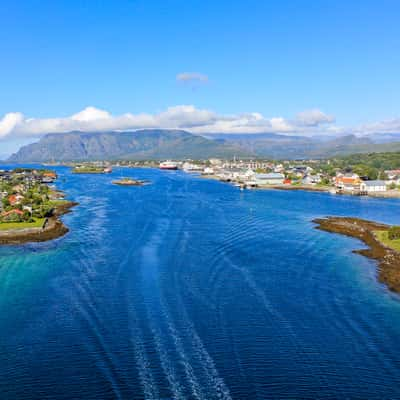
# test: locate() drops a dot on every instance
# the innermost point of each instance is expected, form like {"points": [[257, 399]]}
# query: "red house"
{"points": [[11, 212], [15, 199]]}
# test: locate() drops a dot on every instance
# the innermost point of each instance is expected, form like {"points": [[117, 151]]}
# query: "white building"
{"points": [[279, 168], [269, 179], [208, 171], [393, 177], [311, 179], [215, 161], [373, 186], [189, 167]]}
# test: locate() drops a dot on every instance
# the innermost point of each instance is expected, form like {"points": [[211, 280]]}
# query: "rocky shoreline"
{"points": [[308, 188], [130, 182], [53, 228], [388, 259], [389, 194]]}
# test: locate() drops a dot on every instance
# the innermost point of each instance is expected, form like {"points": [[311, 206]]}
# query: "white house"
{"points": [[279, 168], [373, 186], [311, 179], [249, 174], [208, 171], [393, 177]]}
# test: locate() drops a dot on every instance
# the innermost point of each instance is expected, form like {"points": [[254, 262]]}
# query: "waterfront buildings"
{"points": [[373, 186]]}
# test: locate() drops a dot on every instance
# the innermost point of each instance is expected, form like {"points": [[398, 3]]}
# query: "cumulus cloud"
{"points": [[385, 126], [313, 117], [9, 122], [91, 114], [188, 117], [192, 77]]}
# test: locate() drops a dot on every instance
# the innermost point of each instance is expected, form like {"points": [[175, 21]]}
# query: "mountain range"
{"points": [[301, 147], [138, 145], [178, 144]]}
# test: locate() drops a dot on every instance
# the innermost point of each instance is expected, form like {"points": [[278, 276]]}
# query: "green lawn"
{"points": [[55, 203], [88, 171], [383, 237], [38, 223]]}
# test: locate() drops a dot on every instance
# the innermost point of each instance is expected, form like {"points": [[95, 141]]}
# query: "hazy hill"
{"points": [[145, 144], [178, 144], [298, 147]]}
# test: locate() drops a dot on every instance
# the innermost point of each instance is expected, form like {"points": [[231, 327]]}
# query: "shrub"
{"points": [[394, 233]]}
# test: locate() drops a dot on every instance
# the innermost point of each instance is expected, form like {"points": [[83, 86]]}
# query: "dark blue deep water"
{"points": [[190, 289]]}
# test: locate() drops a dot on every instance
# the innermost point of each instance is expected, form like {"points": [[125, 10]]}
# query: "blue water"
{"points": [[190, 289]]}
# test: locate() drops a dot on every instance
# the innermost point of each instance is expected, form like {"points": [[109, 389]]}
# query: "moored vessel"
{"points": [[171, 165]]}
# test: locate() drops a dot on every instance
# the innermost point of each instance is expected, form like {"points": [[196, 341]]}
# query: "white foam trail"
{"points": [[143, 365], [218, 388], [166, 363], [149, 254], [192, 379], [221, 390]]}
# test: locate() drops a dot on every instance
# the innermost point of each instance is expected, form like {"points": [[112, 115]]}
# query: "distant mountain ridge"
{"points": [[278, 146], [160, 144], [139, 145]]}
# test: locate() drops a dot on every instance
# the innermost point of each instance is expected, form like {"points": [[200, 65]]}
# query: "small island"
{"points": [[383, 242], [30, 207], [130, 182], [89, 168]]}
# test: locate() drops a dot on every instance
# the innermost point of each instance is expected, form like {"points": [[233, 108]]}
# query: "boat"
{"points": [[171, 165], [107, 170]]}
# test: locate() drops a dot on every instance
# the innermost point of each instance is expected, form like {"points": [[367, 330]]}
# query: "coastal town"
{"points": [[349, 175], [313, 175], [307, 175], [29, 206]]}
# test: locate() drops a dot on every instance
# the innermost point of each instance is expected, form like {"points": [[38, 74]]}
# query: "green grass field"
{"points": [[383, 237], [88, 171], [5, 226], [55, 203]]}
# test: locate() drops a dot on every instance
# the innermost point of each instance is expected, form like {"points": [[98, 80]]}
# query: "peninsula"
{"points": [[29, 207], [383, 242]]}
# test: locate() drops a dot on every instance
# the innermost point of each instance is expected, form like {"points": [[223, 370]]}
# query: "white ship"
{"points": [[168, 165]]}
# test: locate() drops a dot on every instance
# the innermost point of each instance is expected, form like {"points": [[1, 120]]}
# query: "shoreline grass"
{"points": [[88, 171], [383, 237], [7, 226]]}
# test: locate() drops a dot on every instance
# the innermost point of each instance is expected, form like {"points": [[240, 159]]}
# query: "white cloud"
{"points": [[15, 128], [91, 114], [192, 77], [188, 117], [9, 122], [313, 117], [385, 126]]}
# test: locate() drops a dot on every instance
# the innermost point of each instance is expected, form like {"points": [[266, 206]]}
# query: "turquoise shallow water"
{"points": [[190, 289]]}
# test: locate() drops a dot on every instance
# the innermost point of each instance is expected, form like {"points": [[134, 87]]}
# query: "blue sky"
{"points": [[276, 58]]}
